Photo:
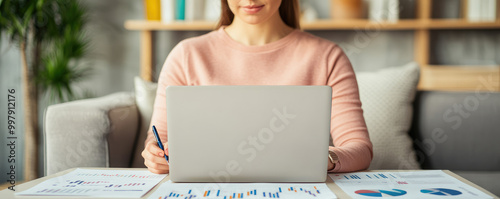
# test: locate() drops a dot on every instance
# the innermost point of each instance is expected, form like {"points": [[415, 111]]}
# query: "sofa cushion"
{"points": [[145, 93], [122, 134], [458, 130], [387, 97]]}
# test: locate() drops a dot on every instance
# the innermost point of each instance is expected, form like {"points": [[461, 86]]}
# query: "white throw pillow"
{"points": [[387, 96], [145, 93]]}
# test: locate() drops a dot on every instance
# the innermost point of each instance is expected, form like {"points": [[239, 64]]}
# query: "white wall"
{"points": [[10, 78]]}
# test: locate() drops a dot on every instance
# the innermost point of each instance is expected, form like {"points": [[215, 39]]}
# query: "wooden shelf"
{"points": [[456, 78], [158, 25], [460, 78], [360, 24], [325, 25], [461, 24]]}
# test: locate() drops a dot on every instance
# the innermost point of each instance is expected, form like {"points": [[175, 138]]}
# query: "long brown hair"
{"points": [[289, 12]]}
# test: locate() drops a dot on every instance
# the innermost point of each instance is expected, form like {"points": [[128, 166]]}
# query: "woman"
{"points": [[258, 42]]}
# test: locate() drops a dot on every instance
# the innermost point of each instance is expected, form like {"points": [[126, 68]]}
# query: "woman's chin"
{"points": [[252, 20]]}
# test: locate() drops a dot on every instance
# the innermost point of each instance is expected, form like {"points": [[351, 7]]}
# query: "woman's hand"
{"points": [[154, 159]]}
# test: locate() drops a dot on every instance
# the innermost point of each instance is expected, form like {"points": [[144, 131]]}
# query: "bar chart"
{"points": [[241, 190], [102, 183]]}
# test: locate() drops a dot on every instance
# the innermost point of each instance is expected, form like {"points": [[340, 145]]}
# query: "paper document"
{"points": [[417, 184], [242, 190], [97, 183]]}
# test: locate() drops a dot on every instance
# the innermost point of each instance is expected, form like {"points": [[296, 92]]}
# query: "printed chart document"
{"points": [[242, 190], [417, 184], [97, 183]]}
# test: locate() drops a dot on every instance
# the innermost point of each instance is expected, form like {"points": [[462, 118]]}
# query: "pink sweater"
{"points": [[297, 59]]}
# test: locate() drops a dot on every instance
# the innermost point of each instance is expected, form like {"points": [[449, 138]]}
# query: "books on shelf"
{"points": [[195, 10], [492, 10], [167, 11], [152, 9], [180, 8], [482, 10], [384, 10], [212, 10], [376, 10], [186, 10], [393, 10]]}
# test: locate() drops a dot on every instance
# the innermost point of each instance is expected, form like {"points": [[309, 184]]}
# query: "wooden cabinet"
{"points": [[433, 77]]}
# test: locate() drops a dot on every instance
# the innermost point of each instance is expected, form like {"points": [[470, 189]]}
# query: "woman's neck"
{"points": [[258, 34]]}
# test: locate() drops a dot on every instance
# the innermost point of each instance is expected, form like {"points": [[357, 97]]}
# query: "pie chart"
{"points": [[441, 192], [381, 193]]}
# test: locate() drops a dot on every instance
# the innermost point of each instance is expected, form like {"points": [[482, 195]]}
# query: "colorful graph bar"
{"points": [[218, 193]]}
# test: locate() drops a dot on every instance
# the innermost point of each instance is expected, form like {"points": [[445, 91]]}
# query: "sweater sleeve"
{"points": [[348, 128], [172, 73]]}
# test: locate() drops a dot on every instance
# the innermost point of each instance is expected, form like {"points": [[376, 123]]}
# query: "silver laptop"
{"points": [[248, 133]]}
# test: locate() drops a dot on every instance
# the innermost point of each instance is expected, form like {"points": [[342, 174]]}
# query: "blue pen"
{"points": [[159, 142]]}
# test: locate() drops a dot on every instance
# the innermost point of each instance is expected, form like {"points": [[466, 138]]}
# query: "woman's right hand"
{"points": [[154, 159]]}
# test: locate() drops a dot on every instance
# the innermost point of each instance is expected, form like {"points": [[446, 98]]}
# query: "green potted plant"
{"points": [[50, 38]]}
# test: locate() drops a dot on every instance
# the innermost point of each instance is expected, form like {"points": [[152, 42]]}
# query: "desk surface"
{"points": [[6, 193]]}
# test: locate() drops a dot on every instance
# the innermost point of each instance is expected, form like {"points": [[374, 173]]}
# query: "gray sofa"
{"points": [[458, 131]]}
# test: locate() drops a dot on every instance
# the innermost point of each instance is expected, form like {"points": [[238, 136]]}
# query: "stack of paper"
{"points": [[97, 183], [418, 184]]}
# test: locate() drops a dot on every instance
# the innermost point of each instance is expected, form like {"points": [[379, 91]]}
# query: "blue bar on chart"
{"points": [[242, 190]]}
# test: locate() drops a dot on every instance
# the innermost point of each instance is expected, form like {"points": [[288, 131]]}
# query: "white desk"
{"points": [[6, 193]]}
